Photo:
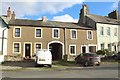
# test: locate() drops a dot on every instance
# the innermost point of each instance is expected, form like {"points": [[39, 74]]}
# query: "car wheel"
{"points": [[86, 64], [98, 64], [50, 65]]}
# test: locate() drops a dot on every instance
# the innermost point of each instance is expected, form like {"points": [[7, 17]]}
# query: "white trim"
{"points": [[71, 33], [84, 46], [41, 32], [91, 33], [53, 33], [19, 48], [14, 32], [24, 48], [75, 49], [57, 42], [35, 46]]}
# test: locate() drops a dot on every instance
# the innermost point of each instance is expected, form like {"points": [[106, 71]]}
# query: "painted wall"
{"points": [[5, 41], [105, 38]]}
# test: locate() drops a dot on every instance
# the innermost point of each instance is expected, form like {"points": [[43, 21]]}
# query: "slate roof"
{"points": [[102, 19], [40, 23]]}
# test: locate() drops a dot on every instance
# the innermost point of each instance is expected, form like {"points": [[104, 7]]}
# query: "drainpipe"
{"points": [[3, 39], [65, 45]]}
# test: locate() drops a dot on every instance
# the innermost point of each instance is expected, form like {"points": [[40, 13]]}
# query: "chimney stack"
{"points": [[113, 14], [44, 19], [9, 12], [13, 15], [83, 12]]}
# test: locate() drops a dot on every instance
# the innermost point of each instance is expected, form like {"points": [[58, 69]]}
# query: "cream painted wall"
{"points": [[105, 38]]}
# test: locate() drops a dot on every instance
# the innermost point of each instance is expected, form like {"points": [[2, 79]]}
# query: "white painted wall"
{"points": [[105, 38], [5, 41], [119, 37]]}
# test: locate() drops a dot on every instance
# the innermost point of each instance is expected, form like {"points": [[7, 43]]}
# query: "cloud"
{"points": [[64, 18], [37, 7]]}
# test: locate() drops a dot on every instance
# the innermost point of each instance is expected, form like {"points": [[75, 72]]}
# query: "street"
{"points": [[103, 71]]}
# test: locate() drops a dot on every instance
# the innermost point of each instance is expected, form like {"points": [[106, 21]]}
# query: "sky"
{"points": [[57, 10]]}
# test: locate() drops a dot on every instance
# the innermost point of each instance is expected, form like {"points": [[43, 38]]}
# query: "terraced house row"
{"points": [[64, 39]]}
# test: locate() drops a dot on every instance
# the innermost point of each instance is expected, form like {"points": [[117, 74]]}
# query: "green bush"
{"points": [[105, 51]]}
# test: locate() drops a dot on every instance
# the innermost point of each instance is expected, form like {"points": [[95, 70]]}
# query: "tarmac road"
{"points": [[103, 71]]}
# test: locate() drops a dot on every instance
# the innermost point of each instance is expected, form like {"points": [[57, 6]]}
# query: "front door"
{"points": [[83, 49], [27, 51]]}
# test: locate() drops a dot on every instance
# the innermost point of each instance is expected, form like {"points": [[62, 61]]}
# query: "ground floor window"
{"points": [[38, 46], [92, 48], [16, 47], [72, 49], [102, 46]]}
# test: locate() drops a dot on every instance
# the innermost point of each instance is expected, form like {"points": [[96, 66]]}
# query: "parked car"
{"points": [[117, 56], [43, 57], [87, 59]]}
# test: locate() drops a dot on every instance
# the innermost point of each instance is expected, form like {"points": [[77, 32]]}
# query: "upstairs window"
{"points": [[38, 33], [102, 31], [17, 32], [108, 31], [115, 32], [89, 35], [56, 33], [73, 34]]}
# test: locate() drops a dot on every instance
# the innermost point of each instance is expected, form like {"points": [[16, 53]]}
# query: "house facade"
{"points": [[107, 28], [3, 37], [61, 38]]}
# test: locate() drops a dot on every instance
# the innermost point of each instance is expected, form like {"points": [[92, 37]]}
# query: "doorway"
{"points": [[83, 49], [27, 51], [56, 50]]}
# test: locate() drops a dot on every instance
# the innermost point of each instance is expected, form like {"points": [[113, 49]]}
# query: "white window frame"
{"points": [[102, 30], [115, 31], [35, 32], [19, 48], [58, 33], [35, 46], [70, 48], [71, 33], [108, 31], [91, 34], [14, 32]]}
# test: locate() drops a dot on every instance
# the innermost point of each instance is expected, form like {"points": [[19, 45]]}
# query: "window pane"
{"points": [[115, 32], [108, 31], [73, 34], [17, 32], [56, 33], [89, 35], [38, 32], [101, 31], [72, 49], [38, 47], [16, 47]]}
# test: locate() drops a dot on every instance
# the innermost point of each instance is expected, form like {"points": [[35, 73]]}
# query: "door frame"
{"points": [[30, 47]]}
